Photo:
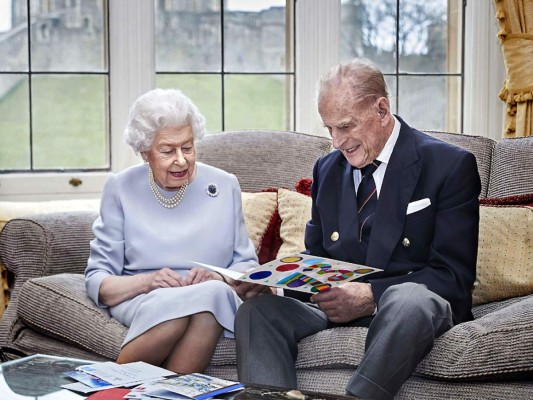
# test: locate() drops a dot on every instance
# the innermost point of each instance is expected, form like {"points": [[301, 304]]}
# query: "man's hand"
{"points": [[247, 290], [346, 302]]}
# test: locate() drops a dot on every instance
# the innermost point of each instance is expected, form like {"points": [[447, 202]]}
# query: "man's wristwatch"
{"points": [[376, 309]]}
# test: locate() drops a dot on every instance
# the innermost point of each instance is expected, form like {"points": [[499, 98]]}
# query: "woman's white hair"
{"points": [[160, 109]]}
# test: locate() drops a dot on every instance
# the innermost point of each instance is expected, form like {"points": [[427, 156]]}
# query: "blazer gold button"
{"points": [[335, 236], [406, 242]]}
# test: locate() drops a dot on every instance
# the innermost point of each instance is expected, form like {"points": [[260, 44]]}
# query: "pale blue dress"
{"points": [[134, 234]]}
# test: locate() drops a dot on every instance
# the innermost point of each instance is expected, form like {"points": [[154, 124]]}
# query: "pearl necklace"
{"points": [[169, 202]]}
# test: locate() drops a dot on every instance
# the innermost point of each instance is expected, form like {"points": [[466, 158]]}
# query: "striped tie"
{"points": [[367, 200]]}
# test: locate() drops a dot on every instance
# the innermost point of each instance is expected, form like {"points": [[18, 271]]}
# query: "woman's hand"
{"points": [[165, 278], [198, 275], [116, 289]]}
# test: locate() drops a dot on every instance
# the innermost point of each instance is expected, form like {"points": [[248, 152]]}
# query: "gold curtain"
{"points": [[515, 18]]}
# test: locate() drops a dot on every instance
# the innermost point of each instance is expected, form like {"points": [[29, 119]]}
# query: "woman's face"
{"points": [[172, 157]]}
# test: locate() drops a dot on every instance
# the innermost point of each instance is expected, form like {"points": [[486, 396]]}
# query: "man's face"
{"points": [[358, 129]]}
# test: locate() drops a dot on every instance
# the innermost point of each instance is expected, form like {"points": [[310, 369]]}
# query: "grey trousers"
{"points": [[409, 318]]}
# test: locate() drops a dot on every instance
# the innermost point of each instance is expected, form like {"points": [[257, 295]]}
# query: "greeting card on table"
{"points": [[300, 272], [192, 386]]}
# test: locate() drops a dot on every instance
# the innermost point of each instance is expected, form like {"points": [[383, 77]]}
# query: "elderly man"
{"points": [[389, 197]]}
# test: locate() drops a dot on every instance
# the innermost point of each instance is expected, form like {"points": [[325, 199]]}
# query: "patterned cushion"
{"points": [[295, 210], [505, 253], [258, 210]]}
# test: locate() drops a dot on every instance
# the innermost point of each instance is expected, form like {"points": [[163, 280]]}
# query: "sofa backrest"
{"points": [[512, 168], [273, 159], [263, 159], [481, 147]]}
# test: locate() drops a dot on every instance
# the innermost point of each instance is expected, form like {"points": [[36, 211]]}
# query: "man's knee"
{"points": [[417, 297], [256, 310]]}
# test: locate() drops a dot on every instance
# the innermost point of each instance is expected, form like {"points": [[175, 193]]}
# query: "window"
{"points": [[54, 133], [233, 58], [53, 86], [418, 46]]}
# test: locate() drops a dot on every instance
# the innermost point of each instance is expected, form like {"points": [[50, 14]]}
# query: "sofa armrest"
{"points": [[42, 245], [47, 244]]}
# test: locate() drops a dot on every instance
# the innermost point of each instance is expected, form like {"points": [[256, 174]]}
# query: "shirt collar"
{"points": [[385, 154]]}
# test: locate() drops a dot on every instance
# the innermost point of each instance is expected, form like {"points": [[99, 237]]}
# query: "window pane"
{"points": [[188, 36], [204, 90], [431, 102], [255, 37], [69, 121], [430, 40], [68, 36], [14, 124], [368, 29], [390, 81], [13, 36], [257, 101]]}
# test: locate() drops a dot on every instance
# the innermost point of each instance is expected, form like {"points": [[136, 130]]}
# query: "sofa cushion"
{"points": [[525, 199], [289, 156], [15, 209], [512, 164], [58, 306], [340, 348], [505, 254], [258, 210], [493, 346], [294, 210], [481, 147]]}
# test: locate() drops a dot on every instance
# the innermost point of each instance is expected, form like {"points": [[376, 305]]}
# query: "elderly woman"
{"points": [[156, 219]]}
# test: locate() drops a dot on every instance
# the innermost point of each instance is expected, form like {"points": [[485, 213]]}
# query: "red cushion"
{"points": [[303, 186], [518, 200], [271, 240]]}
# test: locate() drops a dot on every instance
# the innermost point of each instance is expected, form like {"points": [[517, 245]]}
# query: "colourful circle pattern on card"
{"points": [[317, 275]]}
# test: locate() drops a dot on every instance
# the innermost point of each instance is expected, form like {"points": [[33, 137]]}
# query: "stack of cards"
{"points": [[99, 376]]}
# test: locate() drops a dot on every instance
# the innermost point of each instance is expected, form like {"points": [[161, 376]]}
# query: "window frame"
{"points": [[131, 33], [317, 31], [223, 72]]}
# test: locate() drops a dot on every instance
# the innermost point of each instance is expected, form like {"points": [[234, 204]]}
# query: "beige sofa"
{"points": [[490, 357]]}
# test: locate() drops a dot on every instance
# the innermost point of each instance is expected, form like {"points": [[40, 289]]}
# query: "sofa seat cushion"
{"points": [[477, 350], [59, 306], [496, 345], [332, 348], [29, 341]]}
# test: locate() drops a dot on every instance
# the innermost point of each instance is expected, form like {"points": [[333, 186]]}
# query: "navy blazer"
{"points": [[442, 239]]}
